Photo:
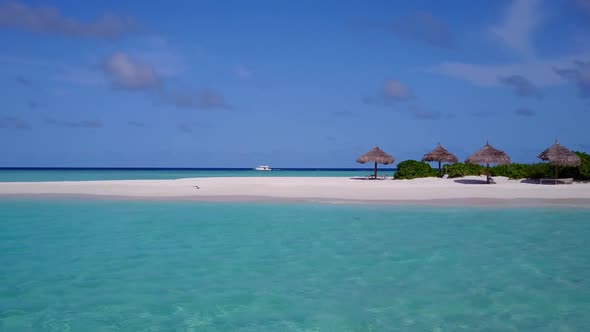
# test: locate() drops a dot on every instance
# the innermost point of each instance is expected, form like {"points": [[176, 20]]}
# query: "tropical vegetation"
{"points": [[411, 169]]}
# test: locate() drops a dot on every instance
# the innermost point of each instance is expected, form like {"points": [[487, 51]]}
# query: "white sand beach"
{"points": [[468, 190]]}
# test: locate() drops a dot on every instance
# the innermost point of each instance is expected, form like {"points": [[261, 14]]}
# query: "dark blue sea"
{"points": [[95, 174]]}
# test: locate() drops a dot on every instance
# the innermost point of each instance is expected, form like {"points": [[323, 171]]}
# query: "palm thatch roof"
{"points": [[440, 154], [376, 155], [488, 155], [558, 155]]}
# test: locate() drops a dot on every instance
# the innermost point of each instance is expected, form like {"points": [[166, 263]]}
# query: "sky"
{"points": [[288, 83]]}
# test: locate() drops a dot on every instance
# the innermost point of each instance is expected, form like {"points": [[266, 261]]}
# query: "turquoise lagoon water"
{"points": [[93, 174], [76, 265]]}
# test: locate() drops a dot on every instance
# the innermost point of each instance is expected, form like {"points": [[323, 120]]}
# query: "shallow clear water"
{"points": [[35, 175], [185, 266]]}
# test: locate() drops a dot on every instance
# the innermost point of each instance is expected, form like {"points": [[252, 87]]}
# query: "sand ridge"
{"points": [[307, 189]]}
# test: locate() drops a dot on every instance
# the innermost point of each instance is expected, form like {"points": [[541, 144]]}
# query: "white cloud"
{"points": [[394, 89], [520, 85], [128, 73], [123, 70], [162, 55], [579, 74], [49, 20], [542, 73], [516, 29]]}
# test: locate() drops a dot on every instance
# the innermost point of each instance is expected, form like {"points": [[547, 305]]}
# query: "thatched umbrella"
{"points": [[440, 154], [488, 155], [559, 156], [377, 156]]}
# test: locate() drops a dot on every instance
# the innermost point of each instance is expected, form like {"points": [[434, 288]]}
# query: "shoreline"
{"points": [[450, 203], [468, 191]]}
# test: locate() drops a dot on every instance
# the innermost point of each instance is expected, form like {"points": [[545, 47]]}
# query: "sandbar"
{"points": [[430, 191]]}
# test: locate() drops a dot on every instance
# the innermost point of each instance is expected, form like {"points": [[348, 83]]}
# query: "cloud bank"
{"points": [[578, 73], [520, 85], [49, 20], [126, 72], [519, 22]]}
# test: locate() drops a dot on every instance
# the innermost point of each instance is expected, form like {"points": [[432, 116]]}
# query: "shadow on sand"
{"points": [[470, 181], [475, 181]]}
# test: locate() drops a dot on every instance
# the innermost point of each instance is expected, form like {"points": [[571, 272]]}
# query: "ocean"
{"points": [[102, 265], [95, 174]]}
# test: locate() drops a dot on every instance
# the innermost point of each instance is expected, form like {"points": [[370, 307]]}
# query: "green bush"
{"points": [[458, 170], [522, 171], [411, 169], [545, 170], [474, 169], [499, 170], [584, 169], [581, 173], [539, 171]]}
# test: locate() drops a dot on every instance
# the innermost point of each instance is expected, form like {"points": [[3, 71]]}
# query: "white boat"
{"points": [[263, 168]]}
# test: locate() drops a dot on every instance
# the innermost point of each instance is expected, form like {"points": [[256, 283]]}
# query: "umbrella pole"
{"points": [[375, 170], [556, 172], [488, 173], [439, 168]]}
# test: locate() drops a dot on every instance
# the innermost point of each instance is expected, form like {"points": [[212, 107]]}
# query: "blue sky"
{"points": [[290, 84]]}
